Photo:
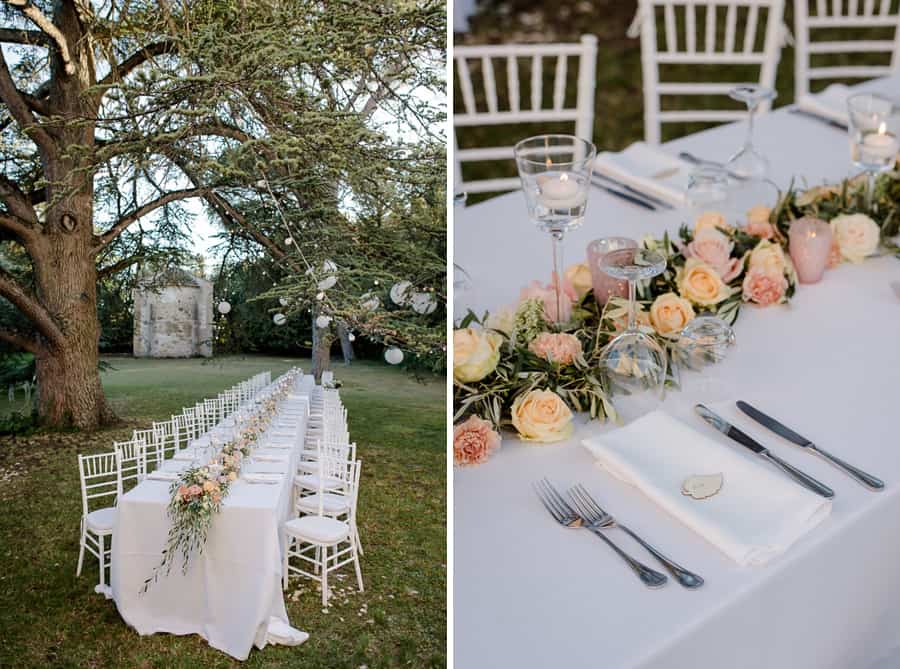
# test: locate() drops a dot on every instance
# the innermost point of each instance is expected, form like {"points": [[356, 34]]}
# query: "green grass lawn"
{"points": [[49, 618]]}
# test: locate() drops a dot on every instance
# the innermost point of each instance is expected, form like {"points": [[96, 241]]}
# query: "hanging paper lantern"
{"points": [[283, 301], [400, 293], [393, 356], [288, 241], [327, 282], [323, 321], [279, 319], [423, 303], [351, 337], [224, 307], [320, 296], [329, 267], [369, 302]]}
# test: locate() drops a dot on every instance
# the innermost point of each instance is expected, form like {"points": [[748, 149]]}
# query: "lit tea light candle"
{"points": [[879, 146], [810, 246], [559, 191]]}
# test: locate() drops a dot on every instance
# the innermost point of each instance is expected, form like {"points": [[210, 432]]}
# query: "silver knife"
{"points": [[747, 441], [827, 121], [631, 189], [634, 199], [871, 482]]}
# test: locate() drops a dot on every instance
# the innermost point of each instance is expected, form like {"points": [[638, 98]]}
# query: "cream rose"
{"points": [[541, 415], [503, 319], [701, 284], [710, 220], [475, 354], [578, 277], [769, 257], [669, 313], [857, 236]]}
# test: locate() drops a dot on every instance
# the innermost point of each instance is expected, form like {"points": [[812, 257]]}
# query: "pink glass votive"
{"points": [[810, 246], [603, 284]]}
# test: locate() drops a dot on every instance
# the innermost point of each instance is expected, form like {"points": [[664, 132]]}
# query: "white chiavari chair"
{"points": [[132, 459], [100, 478], [705, 35], [166, 435], [308, 479], [319, 539], [510, 106], [824, 29]]}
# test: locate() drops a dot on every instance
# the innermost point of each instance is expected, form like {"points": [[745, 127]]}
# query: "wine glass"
{"points": [[748, 163], [874, 128], [633, 362], [708, 190], [556, 174]]}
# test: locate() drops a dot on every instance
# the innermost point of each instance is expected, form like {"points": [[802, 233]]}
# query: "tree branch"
{"points": [[20, 110], [15, 226], [18, 36], [143, 210], [29, 306], [18, 203], [120, 71], [118, 266], [22, 341], [38, 18]]}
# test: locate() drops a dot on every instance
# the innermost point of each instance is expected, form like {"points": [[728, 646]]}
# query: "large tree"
{"points": [[118, 111]]}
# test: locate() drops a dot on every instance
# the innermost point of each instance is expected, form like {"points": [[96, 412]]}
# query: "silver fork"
{"points": [[596, 517], [566, 516]]}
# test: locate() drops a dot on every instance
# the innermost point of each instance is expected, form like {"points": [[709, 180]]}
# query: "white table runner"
{"points": [[231, 590], [528, 594]]}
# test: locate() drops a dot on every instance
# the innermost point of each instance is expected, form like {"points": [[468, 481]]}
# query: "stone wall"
{"points": [[175, 320]]}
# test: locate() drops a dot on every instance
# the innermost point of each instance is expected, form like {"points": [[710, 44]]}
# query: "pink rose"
{"points": [[761, 229], [714, 248], [764, 287], [560, 348], [473, 441], [547, 295], [194, 491]]}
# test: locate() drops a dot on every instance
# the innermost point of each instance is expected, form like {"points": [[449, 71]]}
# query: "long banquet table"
{"points": [[529, 594], [232, 591]]}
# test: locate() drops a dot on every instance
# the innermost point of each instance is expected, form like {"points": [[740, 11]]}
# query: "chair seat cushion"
{"points": [[102, 521], [318, 529], [331, 503], [311, 482]]}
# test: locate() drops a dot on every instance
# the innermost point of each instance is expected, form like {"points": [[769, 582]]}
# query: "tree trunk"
{"points": [[69, 390], [346, 344]]}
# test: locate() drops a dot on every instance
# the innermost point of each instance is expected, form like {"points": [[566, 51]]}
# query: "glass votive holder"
{"points": [[809, 246], [604, 285]]}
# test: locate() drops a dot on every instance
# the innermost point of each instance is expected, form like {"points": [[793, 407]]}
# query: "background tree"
{"points": [[117, 112]]}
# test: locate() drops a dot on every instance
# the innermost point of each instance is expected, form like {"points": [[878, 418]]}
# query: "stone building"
{"points": [[173, 316]]}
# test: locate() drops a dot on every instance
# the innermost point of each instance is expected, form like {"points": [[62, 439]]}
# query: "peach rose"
{"points": [[473, 441], [547, 296], [232, 476], [503, 320], [194, 491], [669, 313], [541, 415], [475, 354], [714, 248], [184, 493], [762, 230], [857, 236], [560, 348], [578, 276], [768, 256], [701, 284], [834, 254], [759, 214], [764, 287], [710, 220]]}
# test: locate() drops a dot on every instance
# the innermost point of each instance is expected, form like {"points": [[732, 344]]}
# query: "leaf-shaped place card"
{"points": [[702, 486]]}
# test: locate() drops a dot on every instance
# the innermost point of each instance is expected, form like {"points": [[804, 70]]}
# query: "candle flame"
{"points": [[563, 177], [549, 163], [882, 129]]}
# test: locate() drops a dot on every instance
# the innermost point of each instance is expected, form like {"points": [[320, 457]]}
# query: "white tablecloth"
{"points": [[231, 589], [529, 594]]}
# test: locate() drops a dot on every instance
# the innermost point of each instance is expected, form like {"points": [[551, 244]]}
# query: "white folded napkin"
{"points": [[757, 514], [648, 169], [200, 442], [186, 455], [262, 477], [160, 475], [830, 103], [278, 444]]}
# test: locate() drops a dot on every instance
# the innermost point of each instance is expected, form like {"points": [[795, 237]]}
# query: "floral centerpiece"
{"points": [[513, 369]]}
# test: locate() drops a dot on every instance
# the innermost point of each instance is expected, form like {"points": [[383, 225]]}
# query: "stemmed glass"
{"points": [[633, 362], [748, 163], [708, 190], [874, 128], [556, 174]]}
